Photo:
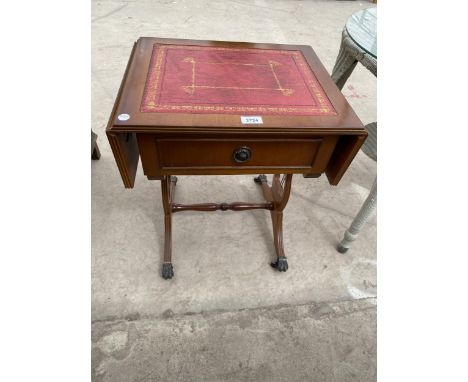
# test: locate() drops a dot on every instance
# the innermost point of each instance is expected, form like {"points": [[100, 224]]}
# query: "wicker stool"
{"points": [[359, 44], [351, 52]]}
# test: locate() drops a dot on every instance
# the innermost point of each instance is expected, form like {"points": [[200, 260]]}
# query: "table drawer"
{"points": [[215, 153]]}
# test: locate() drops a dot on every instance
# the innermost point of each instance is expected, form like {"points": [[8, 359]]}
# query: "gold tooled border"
{"points": [[149, 103]]}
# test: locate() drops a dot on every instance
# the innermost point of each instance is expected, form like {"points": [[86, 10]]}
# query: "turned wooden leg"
{"points": [[278, 193], [95, 153], [167, 185], [173, 183]]}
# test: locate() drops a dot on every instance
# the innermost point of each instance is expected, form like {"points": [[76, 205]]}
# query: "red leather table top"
{"points": [[227, 91], [218, 80]]}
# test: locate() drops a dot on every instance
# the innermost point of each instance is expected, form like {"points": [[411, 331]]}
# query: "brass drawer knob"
{"points": [[242, 154]]}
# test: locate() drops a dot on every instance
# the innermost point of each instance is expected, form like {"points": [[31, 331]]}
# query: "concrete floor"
{"points": [[226, 315]]}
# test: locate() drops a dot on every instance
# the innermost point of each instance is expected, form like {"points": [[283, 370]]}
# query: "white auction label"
{"points": [[123, 117], [254, 120]]}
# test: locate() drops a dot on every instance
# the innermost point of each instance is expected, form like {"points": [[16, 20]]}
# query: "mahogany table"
{"points": [[189, 107]]}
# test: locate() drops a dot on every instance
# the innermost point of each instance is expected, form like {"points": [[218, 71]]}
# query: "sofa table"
{"points": [[189, 107]]}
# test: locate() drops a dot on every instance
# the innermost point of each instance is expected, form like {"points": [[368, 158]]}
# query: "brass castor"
{"points": [[281, 264], [261, 178], [167, 271]]}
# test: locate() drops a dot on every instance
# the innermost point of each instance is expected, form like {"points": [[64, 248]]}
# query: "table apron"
{"points": [[181, 155]]}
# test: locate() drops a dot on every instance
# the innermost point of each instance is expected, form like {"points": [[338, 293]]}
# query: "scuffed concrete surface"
{"points": [[221, 260], [312, 342]]}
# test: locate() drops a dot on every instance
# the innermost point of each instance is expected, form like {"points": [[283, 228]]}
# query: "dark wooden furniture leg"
{"points": [[168, 184], [278, 194], [277, 197], [95, 153]]}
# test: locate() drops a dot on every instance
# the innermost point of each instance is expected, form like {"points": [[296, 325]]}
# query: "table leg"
{"points": [[348, 57], [344, 65], [95, 153], [278, 193], [168, 184], [361, 218]]}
